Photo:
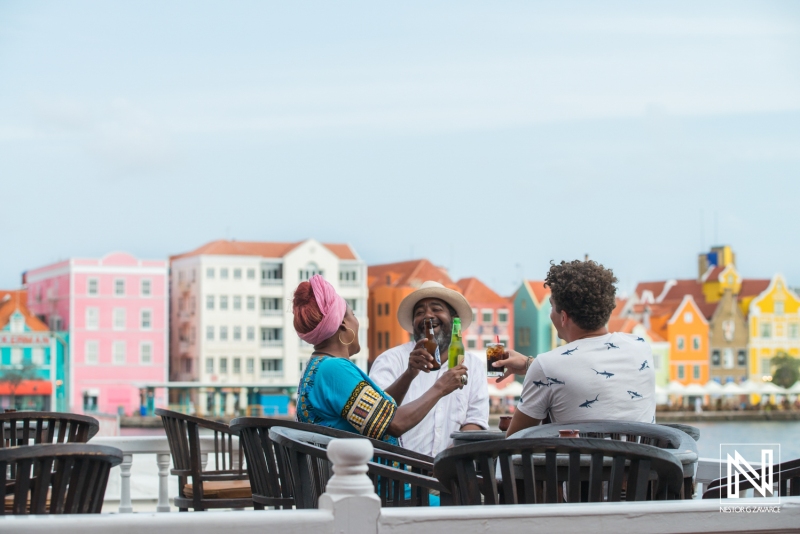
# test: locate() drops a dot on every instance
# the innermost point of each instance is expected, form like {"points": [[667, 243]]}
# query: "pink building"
{"points": [[113, 311]]}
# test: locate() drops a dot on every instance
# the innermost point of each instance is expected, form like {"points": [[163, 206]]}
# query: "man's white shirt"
{"points": [[609, 377], [469, 405]]}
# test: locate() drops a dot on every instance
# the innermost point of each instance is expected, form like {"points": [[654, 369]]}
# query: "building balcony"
{"points": [[271, 282], [272, 343], [271, 313]]}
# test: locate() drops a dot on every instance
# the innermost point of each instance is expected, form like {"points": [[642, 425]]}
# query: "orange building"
{"points": [[684, 326], [493, 315], [388, 286]]}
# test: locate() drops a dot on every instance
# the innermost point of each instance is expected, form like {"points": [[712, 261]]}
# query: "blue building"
{"points": [[31, 358], [534, 332]]}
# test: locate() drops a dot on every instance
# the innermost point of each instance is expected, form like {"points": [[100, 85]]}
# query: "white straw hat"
{"points": [[433, 290]]}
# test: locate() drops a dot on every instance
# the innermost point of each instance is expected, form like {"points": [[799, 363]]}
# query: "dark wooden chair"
{"points": [[269, 478], [693, 431], [593, 470], [31, 428], [227, 485], [398, 480], [673, 440], [786, 477], [56, 478]]}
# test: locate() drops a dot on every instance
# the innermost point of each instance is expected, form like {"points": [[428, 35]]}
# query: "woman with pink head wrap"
{"points": [[333, 391]]}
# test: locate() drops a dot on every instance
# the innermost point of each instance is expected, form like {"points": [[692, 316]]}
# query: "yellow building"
{"points": [[774, 326]]}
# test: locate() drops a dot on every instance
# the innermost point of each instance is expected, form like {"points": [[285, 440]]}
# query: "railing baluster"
{"points": [[125, 506], [163, 482]]}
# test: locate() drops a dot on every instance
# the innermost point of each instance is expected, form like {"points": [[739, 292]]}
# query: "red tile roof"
{"points": [[622, 324], [476, 292], [655, 288], [620, 304], [408, 273], [13, 300], [539, 291], [713, 274], [753, 287], [263, 249]]}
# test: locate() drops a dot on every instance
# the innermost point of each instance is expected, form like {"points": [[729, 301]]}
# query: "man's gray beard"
{"points": [[442, 339]]}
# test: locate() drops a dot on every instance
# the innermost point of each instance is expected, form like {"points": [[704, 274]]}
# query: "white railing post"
{"points": [[350, 495], [125, 506], [163, 482]]}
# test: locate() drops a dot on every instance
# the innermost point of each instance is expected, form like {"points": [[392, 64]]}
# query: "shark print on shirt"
{"points": [[610, 346], [555, 381], [604, 373], [588, 403], [634, 395], [640, 339], [644, 366], [568, 352], [539, 383]]}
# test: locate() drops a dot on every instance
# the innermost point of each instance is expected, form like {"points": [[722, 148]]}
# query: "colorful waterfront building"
{"points": [[492, 314], [533, 329], [389, 284], [685, 329], [774, 326], [113, 312], [30, 353]]}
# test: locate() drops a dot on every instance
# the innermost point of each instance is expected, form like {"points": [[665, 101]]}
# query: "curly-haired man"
{"points": [[597, 375]]}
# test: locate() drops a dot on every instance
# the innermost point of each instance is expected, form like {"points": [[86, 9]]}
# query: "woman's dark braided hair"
{"points": [[583, 289]]}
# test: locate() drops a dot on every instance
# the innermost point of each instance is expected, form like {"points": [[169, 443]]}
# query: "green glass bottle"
{"points": [[455, 355]]}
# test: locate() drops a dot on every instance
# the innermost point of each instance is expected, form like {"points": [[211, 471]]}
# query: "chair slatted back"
{"points": [[552, 470], [56, 478], [786, 482], [398, 480], [32, 428]]}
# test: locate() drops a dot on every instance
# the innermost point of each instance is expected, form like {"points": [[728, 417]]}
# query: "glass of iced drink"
{"points": [[494, 353]]}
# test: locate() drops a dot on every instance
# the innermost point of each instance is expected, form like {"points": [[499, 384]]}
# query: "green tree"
{"points": [[787, 369], [16, 376]]}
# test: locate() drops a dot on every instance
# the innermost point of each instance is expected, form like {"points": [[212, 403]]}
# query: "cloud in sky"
{"points": [[641, 118]]}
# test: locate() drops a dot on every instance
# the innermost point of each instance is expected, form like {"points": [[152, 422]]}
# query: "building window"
{"points": [[348, 278], [270, 306], [271, 367], [223, 302], [272, 274], [89, 402], [688, 317], [251, 302], [727, 359], [237, 302], [119, 318], [92, 318], [187, 365], [715, 358], [237, 333], [223, 273], [696, 342], [251, 366], [16, 356], [487, 341], [502, 316], [794, 331], [380, 341], [471, 344], [223, 366], [523, 304], [680, 341], [696, 372], [118, 352], [237, 274], [386, 308], [251, 274], [210, 272], [210, 333], [272, 336], [223, 333], [37, 356], [146, 287], [93, 287], [778, 307], [237, 366], [146, 319], [91, 353], [766, 330], [310, 270], [251, 333], [766, 366], [487, 316], [741, 358], [352, 304], [386, 339], [680, 372], [209, 302], [119, 287], [210, 366], [380, 310], [475, 315], [146, 353]]}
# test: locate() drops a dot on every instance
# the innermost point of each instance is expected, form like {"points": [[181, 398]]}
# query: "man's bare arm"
{"points": [[520, 421]]}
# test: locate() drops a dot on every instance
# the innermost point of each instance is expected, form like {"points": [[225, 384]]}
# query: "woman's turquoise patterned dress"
{"points": [[334, 392]]}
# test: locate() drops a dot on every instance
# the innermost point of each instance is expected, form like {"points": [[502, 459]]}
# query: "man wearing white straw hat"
{"points": [[405, 372]]}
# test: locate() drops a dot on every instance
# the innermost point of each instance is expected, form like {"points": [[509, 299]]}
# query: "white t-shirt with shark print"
{"points": [[609, 377]]}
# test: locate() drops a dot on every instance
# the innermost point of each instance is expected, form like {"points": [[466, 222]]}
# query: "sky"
{"points": [[489, 137]]}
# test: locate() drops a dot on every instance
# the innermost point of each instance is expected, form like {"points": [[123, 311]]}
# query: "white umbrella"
{"points": [[772, 389], [713, 387], [675, 388], [795, 389], [663, 391], [751, 386], [514, 389], [732, 388], [694, 390]]}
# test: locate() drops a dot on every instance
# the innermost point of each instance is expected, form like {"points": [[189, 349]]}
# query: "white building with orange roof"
{"points": [[231, 318]]}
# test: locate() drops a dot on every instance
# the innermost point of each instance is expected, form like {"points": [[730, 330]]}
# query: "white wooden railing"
{"points": [[349, 504]]}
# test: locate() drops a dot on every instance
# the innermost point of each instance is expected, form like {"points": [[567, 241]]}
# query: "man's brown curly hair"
{"points": [[583, 289]]}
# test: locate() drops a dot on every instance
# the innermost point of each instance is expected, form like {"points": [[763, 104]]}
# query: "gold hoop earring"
{"points": [[351, 341]]}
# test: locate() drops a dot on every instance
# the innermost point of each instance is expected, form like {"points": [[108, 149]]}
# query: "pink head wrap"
{"points": [[332, 306]]}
